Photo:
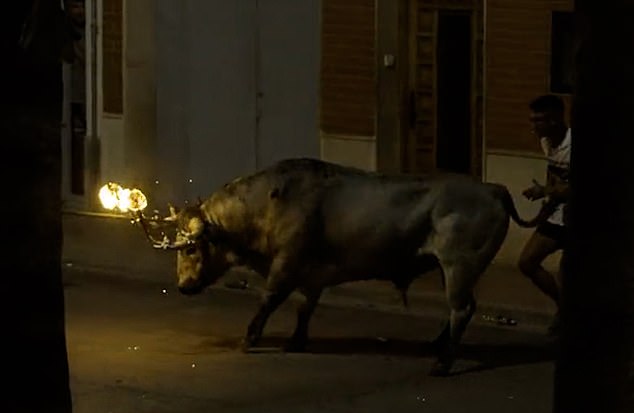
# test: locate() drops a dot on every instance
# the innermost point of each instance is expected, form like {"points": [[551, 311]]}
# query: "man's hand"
{"points": [[558, 190], [535, 192]]}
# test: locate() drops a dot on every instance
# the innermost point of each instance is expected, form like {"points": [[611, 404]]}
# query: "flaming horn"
{"points": [[114, 197]]}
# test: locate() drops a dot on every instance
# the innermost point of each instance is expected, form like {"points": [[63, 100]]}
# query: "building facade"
{"points": [[182, 96], [455, 75], [528, 52], [418, 86], [402, 84], [190, 94]]}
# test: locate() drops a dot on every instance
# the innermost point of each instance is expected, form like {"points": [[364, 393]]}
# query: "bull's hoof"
{"points": [[440, 369], [246, 344], [294, 345]]}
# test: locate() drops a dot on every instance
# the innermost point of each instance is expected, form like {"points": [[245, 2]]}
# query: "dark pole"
{"points": [[33, 39], [593, 370]]}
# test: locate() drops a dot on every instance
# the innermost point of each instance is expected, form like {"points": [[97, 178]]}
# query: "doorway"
{"points": [[445, 87]]}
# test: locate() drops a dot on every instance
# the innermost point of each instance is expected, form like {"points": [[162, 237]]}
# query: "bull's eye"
{"points": [[190, 251]]}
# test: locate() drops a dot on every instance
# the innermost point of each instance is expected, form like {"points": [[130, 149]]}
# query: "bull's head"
{"points": [[200, 258]]}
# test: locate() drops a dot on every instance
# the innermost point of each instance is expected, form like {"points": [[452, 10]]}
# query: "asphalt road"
{"points": [[141, 347]]}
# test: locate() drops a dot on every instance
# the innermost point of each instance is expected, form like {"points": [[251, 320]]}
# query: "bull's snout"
{"points": [[190, 286]]}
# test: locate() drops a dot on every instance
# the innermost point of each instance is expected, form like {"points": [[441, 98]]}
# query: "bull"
{"points": [[305, 225]]}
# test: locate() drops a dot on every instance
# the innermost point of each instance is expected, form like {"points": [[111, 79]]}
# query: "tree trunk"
{"points": [[598, 288], [35, 365]]}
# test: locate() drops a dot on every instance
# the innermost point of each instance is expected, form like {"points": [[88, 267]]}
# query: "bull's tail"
{"points": [[545, 211]]}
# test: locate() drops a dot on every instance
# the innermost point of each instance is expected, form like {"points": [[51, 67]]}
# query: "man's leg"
{"points": [[538, 247], [555, 327]]}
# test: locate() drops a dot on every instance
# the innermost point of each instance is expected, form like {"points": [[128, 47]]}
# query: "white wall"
{"points": [[289, 51], [112, 148], [139, 92], [221, 92], [356, 151], [196, 75], [208, 80]]}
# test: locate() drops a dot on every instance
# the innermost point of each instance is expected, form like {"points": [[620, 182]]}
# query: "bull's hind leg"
{"points": [[297, 342], [460, 280]]}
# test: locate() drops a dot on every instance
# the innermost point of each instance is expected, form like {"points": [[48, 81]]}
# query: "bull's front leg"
{"points": [[278, 287], [297, 342], [271, 300]]}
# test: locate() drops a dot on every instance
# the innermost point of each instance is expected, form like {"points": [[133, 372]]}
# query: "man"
{"points": [[549, 126]]}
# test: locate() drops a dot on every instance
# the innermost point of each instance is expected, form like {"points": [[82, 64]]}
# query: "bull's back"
{"points": [[366, 219], [369, 222]]}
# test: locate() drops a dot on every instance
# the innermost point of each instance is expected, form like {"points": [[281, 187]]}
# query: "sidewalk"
{"points": [[114, 246]]}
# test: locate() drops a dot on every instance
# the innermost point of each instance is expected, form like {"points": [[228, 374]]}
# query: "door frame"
{"points": [[410, 146], [71, 200]]}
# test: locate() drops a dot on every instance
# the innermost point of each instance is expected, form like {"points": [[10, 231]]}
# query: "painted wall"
{"points": [[348, 81], [356, 151], [517, 65], [289, 59], [236, 90], [112, 148], [139, 91]]}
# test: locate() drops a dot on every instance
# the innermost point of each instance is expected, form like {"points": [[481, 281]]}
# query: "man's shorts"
{"points": [[553, 231]]}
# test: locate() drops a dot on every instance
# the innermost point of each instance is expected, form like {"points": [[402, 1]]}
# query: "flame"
{"points": [[114, 196]]}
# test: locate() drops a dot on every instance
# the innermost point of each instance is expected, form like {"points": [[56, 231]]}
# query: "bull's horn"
{"points": [[194, 229], [145, 224], [173, 213], [150, 225]]}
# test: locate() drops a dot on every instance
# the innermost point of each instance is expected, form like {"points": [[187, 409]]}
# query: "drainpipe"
{"points": [[93, 144], [484, 89], [256, 86]]}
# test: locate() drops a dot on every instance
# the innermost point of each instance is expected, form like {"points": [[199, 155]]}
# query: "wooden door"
{"points": [[433, 142]]}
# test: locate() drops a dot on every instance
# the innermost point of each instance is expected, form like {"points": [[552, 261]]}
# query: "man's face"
{"points": [[545, 124]]}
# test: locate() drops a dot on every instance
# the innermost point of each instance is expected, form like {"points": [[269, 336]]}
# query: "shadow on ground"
{"points": [[486, 356]]}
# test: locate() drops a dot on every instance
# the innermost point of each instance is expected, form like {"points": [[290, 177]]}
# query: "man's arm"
{"points": [[535, 192], [558, 190]]}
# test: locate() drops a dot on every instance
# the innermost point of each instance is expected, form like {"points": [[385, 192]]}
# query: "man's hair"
{"points": [[547, 103]]}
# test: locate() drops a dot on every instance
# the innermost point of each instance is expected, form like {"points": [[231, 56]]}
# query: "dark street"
{"points": [[138, 346], [446, 165]]}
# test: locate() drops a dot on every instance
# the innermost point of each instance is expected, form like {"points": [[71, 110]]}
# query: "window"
{"points": [[562, 52]]}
